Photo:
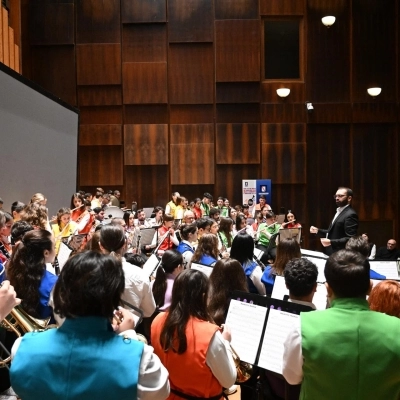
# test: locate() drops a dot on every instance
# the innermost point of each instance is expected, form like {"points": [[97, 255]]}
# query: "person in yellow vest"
{"points": [[171, 206], [64, 227]]}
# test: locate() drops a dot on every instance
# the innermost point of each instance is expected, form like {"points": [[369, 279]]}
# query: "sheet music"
{"points": [[258, 253], [246, 321], [320, 297], [279, 291], [386, 268], [313, 253], [320, 263], [150, 265], [63, 254], [146, 236], [203, 268], [278, 326]]}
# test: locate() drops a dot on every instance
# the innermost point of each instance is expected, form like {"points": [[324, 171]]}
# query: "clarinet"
{"points": [[259, 262]]}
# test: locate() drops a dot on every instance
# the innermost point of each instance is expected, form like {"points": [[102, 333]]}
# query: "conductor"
{"points": [[343, 226]]}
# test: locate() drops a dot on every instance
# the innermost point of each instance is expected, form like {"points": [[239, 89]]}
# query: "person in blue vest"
{"points": [[242, 250], [206, 252], [189, 235], [346, 351], [85, 358]]}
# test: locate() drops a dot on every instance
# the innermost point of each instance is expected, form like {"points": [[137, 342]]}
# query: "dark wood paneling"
{"points": [[98, 64], [100, 135], [51, 24], [374, 48], [283, 133], [330, 113], [328, 52], [144, 43], [192, 133], [146, 114], [282, 7], [374, 157], [98, 21], [238, 144], [100, 166], [236, 9], [238, 92], [191, 74], [283, 113], [183, 159], [195, 114], [284, 162], [237, 50], [143, 11], [53, 67], [230, 113], [269, 95], [144, 83], [375, 112], [101, 115], [190, 21], [146, 144], [229, 180], [100, 95]]}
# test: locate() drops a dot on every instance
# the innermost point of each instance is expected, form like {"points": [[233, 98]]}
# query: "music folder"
{"points": [[259, 327], [146, 235], [289, 233], [390, 269], [151, 265], [206, 269]]}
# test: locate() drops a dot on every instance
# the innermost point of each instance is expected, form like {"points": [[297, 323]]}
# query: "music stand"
{"points": [[289, 233]]}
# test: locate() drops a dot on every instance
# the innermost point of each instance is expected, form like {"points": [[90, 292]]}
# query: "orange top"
{"points": [[188, 372]]}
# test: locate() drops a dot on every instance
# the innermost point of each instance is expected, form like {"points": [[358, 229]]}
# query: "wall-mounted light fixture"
{"points": [[329, 20], [374, 91], [283, 92]]}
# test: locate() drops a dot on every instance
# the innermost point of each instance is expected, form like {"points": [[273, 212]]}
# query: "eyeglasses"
{"points": [[339, 195], [391, 244]]}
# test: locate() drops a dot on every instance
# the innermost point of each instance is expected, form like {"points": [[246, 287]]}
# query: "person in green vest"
{"points": [[347, 351]]}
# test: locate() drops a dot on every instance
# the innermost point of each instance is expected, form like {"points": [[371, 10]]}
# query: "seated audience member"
{"points": [[359, 244], [343, 352], [372, 247], [16, 208], [137, 286], [388, 253], [385, 298], [88, 291], [242, 250], [192, 348], [227, 276], [301, 280], [214, 214], [287, 249], [185, 247], [171, 266], [207, 250]]}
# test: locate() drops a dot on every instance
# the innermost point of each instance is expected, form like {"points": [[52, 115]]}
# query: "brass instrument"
{"points": [[244, 370]]}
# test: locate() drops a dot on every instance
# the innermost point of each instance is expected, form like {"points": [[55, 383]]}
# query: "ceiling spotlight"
{"points": [[309, 106], [374, 91], [328, 20], [283, 92]]}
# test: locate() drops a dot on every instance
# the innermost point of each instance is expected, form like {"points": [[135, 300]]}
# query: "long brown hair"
{"points": [[189, 299], [208, 244], [286, 250]]}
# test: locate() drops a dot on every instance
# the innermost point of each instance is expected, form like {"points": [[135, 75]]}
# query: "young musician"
{"points": [[205, 204], [290, 221], [80, 214], [64, 227], [189, 236], [207, 250], [165, 236], [264, 234]]}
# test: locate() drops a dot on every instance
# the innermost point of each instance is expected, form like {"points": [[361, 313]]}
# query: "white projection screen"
{"points": [[38, 136]]}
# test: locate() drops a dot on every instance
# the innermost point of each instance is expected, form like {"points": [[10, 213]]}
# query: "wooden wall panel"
{"points": [[53, 67], [238, 92], [190, 21], [374, 172], [101, 115], [238, 144], [237, 50], [283, 133], [283, 113], [282, 7], [330, 113], [146, 144], [146, 114], [269, 95], [230, 113], [144, 83], [11, 47], [328, 52], [51, 24], [98, 21], [99, 95], [375, 112], [192, 133], [191, 74], [192, 164], [6, 51], [14, 18], [374, 48], [284, 162], [100, 135], [143, 11], [144, 43], [98, 64], [100, 165], [236, 9], [195, 114], [1, 36]]}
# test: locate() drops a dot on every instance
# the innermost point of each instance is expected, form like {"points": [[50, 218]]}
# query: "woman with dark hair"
{"points": [[85, 347], [225, 232], [291, 221], [129, 219], [242, 250], [137, 286], [241, 225], [165, 237], [207, 250], [186, 339], [158, 216], [227, 276], [189, 236], [196, 208], [80, 213], [287, 250], [170, 267], [27, 272]]}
